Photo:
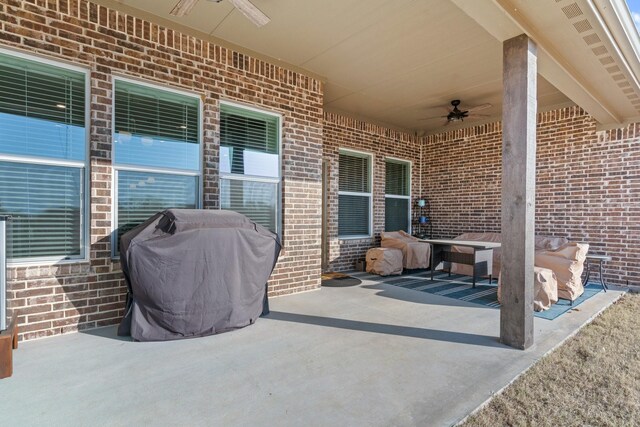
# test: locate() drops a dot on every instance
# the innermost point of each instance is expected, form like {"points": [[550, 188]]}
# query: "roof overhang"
{"points": [[400, 62], [588, 49]]}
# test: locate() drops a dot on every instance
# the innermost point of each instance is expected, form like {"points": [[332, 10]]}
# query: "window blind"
{"points": [[143, 194], [155, 127], [256, 200], [42, 110], [250, 164], [158, 129], [42, 115], [396, 214], [354, 173], [46, 203], [397, 194], [397, 178], [251, 139], [353, 215], [354, 210]]}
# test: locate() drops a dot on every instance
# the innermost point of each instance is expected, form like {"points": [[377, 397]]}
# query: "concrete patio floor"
{"points": [[366, 355]]}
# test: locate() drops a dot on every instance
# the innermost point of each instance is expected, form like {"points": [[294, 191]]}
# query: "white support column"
{"points": [[518, 191]]}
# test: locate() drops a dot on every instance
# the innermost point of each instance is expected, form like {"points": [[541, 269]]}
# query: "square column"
{"points": [[518, 190]]}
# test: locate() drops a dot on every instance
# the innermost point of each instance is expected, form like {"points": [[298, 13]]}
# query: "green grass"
{"points": [[592, 379]]}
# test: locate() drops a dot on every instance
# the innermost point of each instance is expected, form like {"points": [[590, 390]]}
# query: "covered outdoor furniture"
{"points": [[545, 289], [567, 262], [564, 258], [194, 272], [384, 261], [415, 254]]}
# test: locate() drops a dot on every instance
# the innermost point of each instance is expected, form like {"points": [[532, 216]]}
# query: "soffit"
{"points": [[393, 62]]}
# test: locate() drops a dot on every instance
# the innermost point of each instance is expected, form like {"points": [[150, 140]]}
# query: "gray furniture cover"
{"points": [[195, 272]]}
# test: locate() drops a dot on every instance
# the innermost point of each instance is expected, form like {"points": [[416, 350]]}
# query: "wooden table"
{"points": [[481, 259]]}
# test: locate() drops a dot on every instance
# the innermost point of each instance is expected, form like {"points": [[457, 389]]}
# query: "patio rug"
{"points": [[460, 287]]}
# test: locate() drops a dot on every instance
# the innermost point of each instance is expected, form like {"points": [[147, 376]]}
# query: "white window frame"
{"points": [[395, 196], [117, 167], [83, 166], [244, 177], [369, 157]]}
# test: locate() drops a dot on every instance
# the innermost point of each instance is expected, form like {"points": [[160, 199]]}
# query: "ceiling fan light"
{"points": [[252, 13]]}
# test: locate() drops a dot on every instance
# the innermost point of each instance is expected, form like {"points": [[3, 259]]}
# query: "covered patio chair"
{"points": [[415, 254]]}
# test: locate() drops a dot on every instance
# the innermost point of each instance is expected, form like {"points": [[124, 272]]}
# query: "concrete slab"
{"points": [[366, 355]]}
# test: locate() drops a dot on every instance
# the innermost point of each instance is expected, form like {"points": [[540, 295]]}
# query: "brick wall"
{"points": [[343, 132], [54, 299], [587, 185]]}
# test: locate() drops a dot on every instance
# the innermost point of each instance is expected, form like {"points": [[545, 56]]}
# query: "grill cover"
{"points": [[195, 272]]}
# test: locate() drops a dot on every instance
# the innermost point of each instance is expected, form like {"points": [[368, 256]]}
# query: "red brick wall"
{"points": [[53, 299], [587, 189], [343, 132]]}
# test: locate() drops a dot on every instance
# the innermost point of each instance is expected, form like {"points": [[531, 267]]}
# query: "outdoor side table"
{"points": [[596, 260]]}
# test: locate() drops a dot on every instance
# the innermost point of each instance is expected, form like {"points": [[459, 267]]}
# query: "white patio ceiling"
{"points": [[397, 62]]}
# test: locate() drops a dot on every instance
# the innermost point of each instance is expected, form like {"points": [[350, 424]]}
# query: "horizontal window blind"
{"points": [[354, 173], [249, 148], [143, 194], [256, 200], [354, 210], [397, 178], [42, 110], [155, 127], [46, 204], [253, 141], [353, 215], [396, 214]]}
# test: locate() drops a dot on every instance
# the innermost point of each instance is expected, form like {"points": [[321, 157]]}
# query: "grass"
{"points": [[592, 379]]}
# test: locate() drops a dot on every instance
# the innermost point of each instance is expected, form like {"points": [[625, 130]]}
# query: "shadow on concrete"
{"points": [[380, 328], [110, 332]]}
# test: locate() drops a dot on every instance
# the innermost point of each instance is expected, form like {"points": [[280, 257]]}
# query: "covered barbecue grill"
{"points": [[195, 272]]}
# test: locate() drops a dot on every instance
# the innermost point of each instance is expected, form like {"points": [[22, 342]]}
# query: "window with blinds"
{"points": [[156, 128], [354, 195], [156, 153], [42, 158], [250, 164], [397, 195], [143, 194]]}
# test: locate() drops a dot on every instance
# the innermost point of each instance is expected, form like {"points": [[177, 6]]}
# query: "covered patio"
{"points": [[364, 85], [369, 355]]}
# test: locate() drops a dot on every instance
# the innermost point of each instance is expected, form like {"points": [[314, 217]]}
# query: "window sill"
{"points": [[46, 262]]}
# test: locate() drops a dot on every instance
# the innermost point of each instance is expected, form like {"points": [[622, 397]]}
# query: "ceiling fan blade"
{"points": [[479, 108], [183, 7], [252, 13], [433, 118], [478, 115]]}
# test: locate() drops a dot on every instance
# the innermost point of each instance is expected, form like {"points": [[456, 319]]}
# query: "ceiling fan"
{"points": [[458, 115], [248, 9]]}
